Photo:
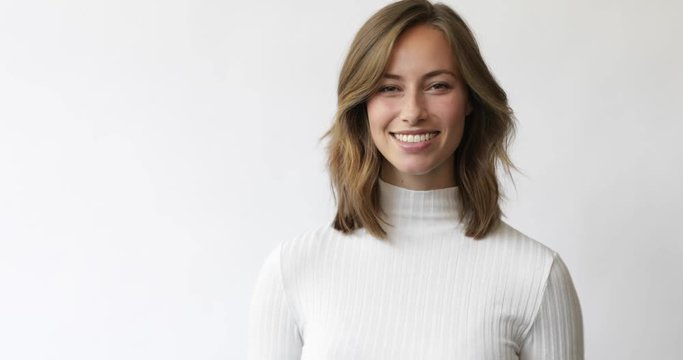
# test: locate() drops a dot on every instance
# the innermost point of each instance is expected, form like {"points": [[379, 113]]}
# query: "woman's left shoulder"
{"points": [[521, 259], [520, 246]]}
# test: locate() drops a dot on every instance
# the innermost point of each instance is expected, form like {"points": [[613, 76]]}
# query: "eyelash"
{"points": [[384, 88]]}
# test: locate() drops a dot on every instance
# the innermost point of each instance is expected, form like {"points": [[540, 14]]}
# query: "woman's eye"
{"points": [[390, 88], [387, 88], [440, 86]]}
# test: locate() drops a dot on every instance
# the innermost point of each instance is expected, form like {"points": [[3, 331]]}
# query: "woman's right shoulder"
{"points": [[295, 249], [313, 238], [312, 244], [305, 252]]}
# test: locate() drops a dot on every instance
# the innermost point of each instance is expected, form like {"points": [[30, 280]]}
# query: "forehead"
{"points": [[421, 48]]}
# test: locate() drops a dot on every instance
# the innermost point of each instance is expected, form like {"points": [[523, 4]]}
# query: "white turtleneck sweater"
{"points": [[429, 292]]}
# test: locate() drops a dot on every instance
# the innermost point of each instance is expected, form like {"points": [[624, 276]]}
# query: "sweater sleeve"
{"points": [[557, 331], [272, 331]]}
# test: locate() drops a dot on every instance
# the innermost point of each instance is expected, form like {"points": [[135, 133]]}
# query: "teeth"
{"points": [[414, 138]]}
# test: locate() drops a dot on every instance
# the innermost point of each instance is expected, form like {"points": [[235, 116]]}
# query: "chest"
{"points": [[428, 312]]}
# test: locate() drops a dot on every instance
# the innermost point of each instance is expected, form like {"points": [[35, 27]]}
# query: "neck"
{"points": [[419, 210], [439, 178]]}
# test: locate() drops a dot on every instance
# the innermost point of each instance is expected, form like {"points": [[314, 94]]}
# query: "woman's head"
{"points": [[417, 116], [467, 108]]}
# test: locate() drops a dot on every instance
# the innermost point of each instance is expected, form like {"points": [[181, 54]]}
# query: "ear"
{"points": [[469, 108]]}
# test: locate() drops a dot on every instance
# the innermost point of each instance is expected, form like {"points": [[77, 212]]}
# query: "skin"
{"points": [[413, 102]]}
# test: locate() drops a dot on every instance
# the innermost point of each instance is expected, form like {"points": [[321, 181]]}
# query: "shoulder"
{"points": [[521, 260], [314, 240], [306, 248], [517, 245], [302, 257], [292, 249], [525, 265], [537, 256]]}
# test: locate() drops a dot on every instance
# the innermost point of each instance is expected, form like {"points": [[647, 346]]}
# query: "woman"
{"points": [[417, 263]]}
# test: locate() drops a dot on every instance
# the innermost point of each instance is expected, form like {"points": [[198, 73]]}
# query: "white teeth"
{"points": [[414, 138]]}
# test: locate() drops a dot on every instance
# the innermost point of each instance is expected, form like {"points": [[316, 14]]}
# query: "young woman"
{"points": [[417, 263]]}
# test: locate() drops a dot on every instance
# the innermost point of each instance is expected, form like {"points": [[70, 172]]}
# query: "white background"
{"points": [[153, 152]]}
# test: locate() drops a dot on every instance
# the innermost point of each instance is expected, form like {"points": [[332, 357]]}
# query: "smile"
{"points": [[417, 138]]}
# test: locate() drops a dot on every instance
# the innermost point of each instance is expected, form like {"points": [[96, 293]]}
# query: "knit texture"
{"points": [[428, 292]]}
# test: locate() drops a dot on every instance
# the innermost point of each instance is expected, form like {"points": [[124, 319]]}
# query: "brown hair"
{"points": [[354, 161]]}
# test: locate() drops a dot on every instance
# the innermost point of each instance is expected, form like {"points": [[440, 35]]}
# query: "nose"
{"points": [[413, 108]]}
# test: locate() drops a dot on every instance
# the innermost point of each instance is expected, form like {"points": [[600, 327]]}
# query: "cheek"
{"points": [[378, 117], [454, 107], [452, 115]]}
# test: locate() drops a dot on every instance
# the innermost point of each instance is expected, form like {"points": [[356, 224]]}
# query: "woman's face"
{"points": [[421, 93]]}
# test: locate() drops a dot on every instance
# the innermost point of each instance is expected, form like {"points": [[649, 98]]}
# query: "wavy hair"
{"points": [[353, 160]]}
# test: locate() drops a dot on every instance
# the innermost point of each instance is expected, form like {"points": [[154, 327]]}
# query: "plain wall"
{"points": [[153, 152]]}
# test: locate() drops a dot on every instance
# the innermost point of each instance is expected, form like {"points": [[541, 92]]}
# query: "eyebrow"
{"points": [[426, 76]]}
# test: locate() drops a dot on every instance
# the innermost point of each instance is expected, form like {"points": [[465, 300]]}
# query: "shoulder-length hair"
{"points": [[354, 161]]}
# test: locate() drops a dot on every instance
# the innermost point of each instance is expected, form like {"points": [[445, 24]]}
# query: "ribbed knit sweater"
{"points": [[427, 292]]}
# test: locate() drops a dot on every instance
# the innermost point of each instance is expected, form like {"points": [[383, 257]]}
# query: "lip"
{"points": [[414, 147], [413, 132]]}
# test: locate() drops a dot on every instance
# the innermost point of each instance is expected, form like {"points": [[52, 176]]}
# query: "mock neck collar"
{"points": [[406, 208]]}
